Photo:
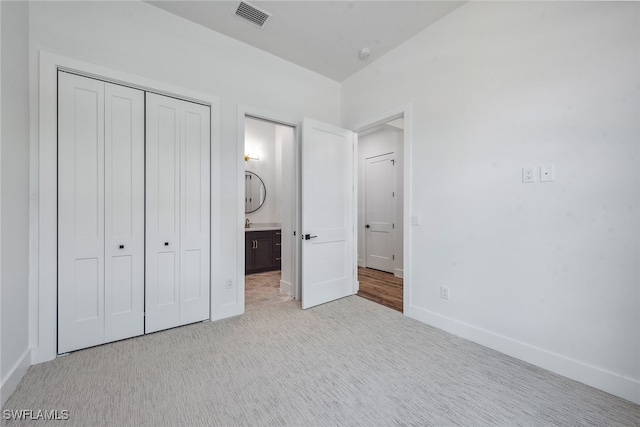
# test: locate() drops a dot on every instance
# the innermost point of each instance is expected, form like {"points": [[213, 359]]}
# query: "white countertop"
{"points": [[264, 226]]}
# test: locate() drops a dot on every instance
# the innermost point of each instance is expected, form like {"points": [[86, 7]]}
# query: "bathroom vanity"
{"points": [[262, 240], [262, 249]]}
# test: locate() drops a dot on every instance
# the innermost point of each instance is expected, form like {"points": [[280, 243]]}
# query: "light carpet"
{"points": [[347, 363]]}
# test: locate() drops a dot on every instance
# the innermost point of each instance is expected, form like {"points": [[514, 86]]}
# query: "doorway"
{"points": [[381, 212], [269, 212]]}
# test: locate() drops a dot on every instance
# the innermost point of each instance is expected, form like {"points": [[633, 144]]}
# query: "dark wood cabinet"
{"points": [[262, 251]]}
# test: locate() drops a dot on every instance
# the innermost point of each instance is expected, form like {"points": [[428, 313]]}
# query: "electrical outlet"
{"points": [[547, 173], [444, 292], [415, 219], [529, 174], [228, 283]]}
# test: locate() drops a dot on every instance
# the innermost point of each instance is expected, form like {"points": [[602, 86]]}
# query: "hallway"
{"points": [[381, 287]]}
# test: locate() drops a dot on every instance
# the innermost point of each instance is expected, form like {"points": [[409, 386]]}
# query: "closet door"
{"points": [[124, 212], [194, 213], [100, 196], [177, 213], [162, 213], [80, 212]]}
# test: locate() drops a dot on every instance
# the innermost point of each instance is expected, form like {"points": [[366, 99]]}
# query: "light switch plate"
{"points": [[547, 173]]}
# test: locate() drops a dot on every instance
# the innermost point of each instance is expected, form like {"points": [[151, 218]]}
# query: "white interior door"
{"points": [[124, 212], [100, 167], [80, 212], [379, 211], [328, 207], [195, 205], [178, 218], [162, 213]]}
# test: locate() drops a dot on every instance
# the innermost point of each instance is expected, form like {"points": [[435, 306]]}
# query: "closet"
{"points": [[133, 212], [178, 219]]}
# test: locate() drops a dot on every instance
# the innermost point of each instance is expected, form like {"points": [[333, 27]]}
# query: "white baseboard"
{"points": [[361, 263], [286, 287], [11, 381], [616, 384], [398, 272]]}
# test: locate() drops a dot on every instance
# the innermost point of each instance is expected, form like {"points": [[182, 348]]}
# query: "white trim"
{"points": [[286, 287], [354, 208], [1, 125], [398, 272], [406, 112], [14, 376], [45, 270], [243, 111], [613, 383]]}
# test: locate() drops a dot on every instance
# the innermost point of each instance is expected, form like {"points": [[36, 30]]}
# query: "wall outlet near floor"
{"points": [[444, 292], [228, 283]]}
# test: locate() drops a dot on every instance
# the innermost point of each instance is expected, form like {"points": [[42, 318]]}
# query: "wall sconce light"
{"points": [[248, 157]]}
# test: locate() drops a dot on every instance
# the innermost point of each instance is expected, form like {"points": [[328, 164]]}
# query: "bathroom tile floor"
{"points": [[263, 289]]}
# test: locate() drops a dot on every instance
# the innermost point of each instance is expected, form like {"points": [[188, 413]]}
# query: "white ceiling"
{"points": [[322, 36]]}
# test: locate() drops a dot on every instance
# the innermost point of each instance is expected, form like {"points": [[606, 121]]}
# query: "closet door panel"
{"points": [[162, 213], [80, 212], [124, 212], [195, 213]]}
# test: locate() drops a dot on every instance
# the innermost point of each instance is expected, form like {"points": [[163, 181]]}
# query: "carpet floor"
{"points": [[347, 363]]}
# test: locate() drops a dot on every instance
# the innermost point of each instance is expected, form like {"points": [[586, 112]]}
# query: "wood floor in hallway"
{"points": [[381, 287]]}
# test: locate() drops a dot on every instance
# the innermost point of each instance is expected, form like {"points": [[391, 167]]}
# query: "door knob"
{"points": [[366, 226], [166, 243], [121, 246], [309, 236]]}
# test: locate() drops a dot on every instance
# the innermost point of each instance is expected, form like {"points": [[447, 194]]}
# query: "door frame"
{"points": [[242, 112], [404, 111], [43, 240]]}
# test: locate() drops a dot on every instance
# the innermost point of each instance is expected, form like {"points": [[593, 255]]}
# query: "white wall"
{"points": [[137, 38], [384, 139], [547, 272], [260, 140], [14, 189]]}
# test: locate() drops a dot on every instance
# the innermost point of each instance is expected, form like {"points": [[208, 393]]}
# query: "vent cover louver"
{"points": [[252, 14]]}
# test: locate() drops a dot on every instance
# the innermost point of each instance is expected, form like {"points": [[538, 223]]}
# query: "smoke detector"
{"points": [[365, 53], [251, 14]]}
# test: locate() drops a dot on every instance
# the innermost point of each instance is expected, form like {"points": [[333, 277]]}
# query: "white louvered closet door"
{"points": [[177, 212], [100, 212]]}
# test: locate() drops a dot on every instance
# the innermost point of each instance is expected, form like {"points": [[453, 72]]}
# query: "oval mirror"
{"points": [[254, 192]]}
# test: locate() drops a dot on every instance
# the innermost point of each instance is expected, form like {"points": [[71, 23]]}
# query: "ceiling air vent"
{"points": [[252, 14]]}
